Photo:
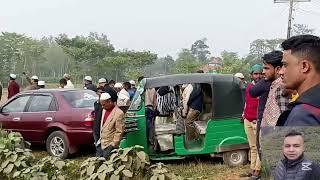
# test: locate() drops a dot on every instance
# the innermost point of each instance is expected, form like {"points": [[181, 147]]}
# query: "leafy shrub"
{"points": [[47, 168], [123, 164], [12, 140], [161, 172], [17, 162], [13, 156]]}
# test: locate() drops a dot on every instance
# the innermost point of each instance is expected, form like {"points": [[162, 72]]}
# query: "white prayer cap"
{"points": [[105, 96], [34, 77], [118, 85], [41, 83], [102, 80], [239, 75], [88, 78], [132, 82], [13, 76]]}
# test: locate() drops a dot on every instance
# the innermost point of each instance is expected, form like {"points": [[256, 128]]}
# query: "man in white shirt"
{"points": [[69, 83]]}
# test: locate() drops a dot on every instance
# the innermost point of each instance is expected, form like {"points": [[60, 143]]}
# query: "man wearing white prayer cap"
{"points": [[69, 85], [33, 82], [13, 87], [123, 102], [111, 126], [118, 87]]}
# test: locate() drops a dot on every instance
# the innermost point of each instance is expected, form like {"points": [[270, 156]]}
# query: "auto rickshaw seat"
{"points": [[165, 129], [201, 126]]}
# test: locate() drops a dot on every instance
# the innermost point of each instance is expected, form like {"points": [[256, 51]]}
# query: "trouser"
{"points": [[251, 131], [258, 137], [192, 116], [150, 124], [106, 153]]}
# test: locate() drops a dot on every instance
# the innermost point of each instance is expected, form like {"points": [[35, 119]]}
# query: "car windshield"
{"points": [[80, 99]]}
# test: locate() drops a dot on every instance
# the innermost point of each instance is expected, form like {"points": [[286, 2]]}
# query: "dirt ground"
{"points": [[4, 96]]}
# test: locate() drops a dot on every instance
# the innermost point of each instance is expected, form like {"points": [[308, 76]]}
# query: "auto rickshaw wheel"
{"points": [[235, 158]]}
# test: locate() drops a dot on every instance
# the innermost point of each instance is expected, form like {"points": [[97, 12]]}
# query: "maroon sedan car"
{"points": [[59, 118]]}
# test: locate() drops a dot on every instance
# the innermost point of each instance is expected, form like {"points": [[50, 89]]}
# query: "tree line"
{"points": [[94, 54]]}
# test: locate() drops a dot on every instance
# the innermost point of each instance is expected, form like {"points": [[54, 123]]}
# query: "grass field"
{"points": [[193, 168]]}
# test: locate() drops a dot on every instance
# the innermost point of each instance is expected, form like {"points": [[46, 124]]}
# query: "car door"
{"points": [[40, 112], [11, 113]]}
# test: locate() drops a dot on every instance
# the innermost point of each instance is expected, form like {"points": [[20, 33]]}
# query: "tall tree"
{"points": [[162, 66], [232, 63], [86, 52], [260, 47], [300, 29], [186, 62], [19, 53], [200, 50]]}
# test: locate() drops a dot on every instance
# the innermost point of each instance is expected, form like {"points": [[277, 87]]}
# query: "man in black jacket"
{"points": [[301, 72], [294, 166], [88, 84]]}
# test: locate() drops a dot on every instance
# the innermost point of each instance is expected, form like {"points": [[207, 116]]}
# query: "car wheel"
{"points": [[235, 158], [58, 145]]}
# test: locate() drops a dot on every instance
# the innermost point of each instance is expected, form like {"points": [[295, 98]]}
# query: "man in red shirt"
{"points": [[250, 116], [13, 87]]}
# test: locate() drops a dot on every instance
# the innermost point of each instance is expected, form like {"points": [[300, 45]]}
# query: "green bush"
{"points": [[122, 164], [17, 162]]}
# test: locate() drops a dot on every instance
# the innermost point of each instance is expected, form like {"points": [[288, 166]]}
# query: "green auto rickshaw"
{"points": [[220, 127]]}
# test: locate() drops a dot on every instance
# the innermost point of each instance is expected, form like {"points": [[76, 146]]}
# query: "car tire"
{"points": [[57, 144], [235, 158]]}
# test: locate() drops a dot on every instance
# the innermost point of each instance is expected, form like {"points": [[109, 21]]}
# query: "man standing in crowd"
{"points": [[124, 90], [195, 106], [88, 84], [63, 83], [260, 90], [33, 82], [112, 83], [112, 125], [294, 165], [151, 105], [97, 115], [13, 87], [102, 84], [250, 115], [69, 85], [118, 87], [277, 101], [132, 89], [301, 72], [243, 81]]}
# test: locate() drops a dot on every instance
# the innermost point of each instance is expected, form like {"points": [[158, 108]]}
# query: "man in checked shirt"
{"points": [[277, 101]]}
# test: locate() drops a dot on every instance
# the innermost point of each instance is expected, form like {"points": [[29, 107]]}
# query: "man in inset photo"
{"points": [[294, 165]]}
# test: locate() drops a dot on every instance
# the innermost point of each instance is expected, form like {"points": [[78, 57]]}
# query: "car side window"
{"points": [[40, 103], [16, 105]]}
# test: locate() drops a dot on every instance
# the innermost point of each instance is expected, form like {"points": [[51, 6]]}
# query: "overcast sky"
{"points": [[161, 26]]}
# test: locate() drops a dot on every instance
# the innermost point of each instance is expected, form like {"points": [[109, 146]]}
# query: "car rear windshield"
{"points": [[81, 99]]}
